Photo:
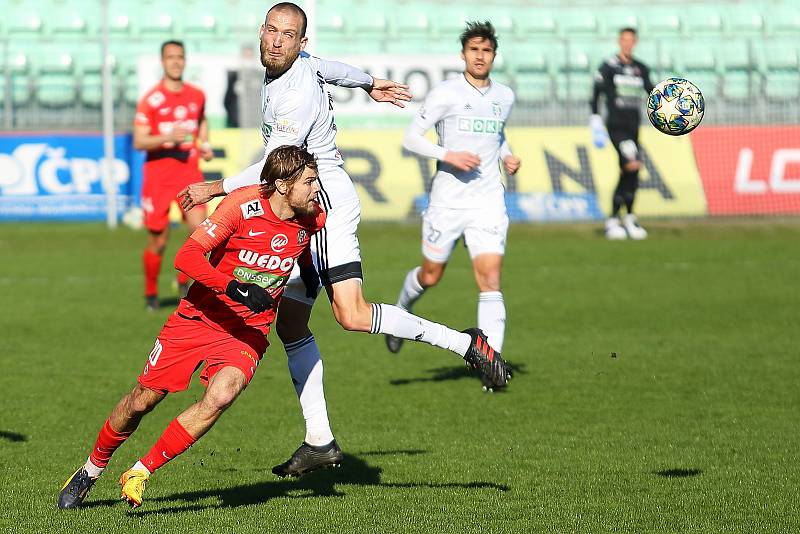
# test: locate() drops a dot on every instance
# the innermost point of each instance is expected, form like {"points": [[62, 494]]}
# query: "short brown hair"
{"points": [[165, 44], [289, 6], [285, 163]]}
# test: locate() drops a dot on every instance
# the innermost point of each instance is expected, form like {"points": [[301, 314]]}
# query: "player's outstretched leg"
{"points": [[308, 458], [411, 292]]}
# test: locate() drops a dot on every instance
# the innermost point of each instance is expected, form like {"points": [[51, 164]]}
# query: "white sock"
{"points": [[492, 317], [388, 319], [140, 466], [412, 290], [305, 366], [92, 469]]}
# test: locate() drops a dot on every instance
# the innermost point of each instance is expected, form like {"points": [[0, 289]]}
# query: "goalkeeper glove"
{"points": [[599, 135], [254, 297], [310, 278]]}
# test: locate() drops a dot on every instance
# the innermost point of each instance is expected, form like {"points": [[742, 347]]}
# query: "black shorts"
{"points": [[626, 143]]}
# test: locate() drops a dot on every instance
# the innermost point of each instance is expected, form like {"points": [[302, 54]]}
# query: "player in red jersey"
{"points": [[253, 240], [170, 120]]}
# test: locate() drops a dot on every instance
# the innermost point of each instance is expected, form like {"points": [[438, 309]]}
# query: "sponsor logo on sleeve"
{"points": [[252, 209], [288, 126]]}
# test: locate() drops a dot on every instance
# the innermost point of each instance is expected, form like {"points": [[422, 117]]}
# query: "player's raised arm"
{"points": [[432, 111], [380, 90], [343, 75]]}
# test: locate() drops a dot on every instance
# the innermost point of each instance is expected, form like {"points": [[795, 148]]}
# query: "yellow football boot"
{"points": [[133, 483]]}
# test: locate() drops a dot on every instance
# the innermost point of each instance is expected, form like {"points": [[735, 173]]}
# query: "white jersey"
{"points": [[298, 110], [470, 119]]}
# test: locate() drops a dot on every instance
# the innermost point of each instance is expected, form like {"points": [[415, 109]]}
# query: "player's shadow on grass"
{"points": [[354, 471], [12, 436], [441, 374], [678, 473]]}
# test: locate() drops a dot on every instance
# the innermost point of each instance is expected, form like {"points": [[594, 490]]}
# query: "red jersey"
{"points": [[247, 241], [163, 111]]}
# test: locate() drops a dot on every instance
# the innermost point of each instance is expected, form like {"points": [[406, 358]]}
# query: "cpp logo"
{"points": [[279, 242]]}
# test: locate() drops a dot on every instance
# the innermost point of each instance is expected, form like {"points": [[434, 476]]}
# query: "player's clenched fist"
{"points": [[254, 297], [511, 164]]}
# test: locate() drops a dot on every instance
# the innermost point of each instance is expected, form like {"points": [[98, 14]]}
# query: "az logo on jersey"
{"points": [[279, 242], [251, 209]]}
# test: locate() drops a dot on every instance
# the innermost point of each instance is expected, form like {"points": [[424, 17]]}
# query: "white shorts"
{"points": [[484, 231], [335, 248]]}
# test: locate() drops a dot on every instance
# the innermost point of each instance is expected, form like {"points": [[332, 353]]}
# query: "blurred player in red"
{"points": [[253, 240], [170, 121]]}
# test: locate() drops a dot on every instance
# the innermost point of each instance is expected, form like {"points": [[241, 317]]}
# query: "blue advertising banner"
{"points": [[542, 207], [61, 176]]}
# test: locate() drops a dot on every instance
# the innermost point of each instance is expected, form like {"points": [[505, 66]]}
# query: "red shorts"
{"points": [[163, 180], [184, 344]]}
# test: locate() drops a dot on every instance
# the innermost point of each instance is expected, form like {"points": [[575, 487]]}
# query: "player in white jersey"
{"points": [[297, 110], [467, 197]]}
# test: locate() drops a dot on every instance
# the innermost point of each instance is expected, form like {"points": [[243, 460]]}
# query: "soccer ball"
{"points": [[133, 218], [675, 106]]}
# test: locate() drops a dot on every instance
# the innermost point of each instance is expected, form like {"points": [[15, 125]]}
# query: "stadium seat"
{"points": [[739, 85], [536, 23], [776, 55], [91, 90], [782, 86], [24, 22], [21, 92], [614, 19], [448, 22], [743, 21], [330, 24], [200, 24], [574, 87], [532, 86], [154, 21], [701, 20], [55, 90], [784, 20], [68, 21], [577, 23], [661, 22], [370, 23]]}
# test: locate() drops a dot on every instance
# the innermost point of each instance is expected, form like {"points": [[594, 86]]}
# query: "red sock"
{"points": [[107, 442], [172, 442], [182, 278], [152, 265]]}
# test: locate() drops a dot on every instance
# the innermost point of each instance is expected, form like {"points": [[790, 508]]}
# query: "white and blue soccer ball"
{"points": [[675, 106], [133, 218]]}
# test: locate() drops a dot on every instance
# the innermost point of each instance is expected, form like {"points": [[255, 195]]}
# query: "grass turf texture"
{"points": [[691, 427]]}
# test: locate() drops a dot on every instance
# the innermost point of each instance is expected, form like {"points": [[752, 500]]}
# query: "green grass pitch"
{"points": [[691, 427]]}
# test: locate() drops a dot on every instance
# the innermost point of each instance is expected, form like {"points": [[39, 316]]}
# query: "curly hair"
{"points": [[285, 163]]}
